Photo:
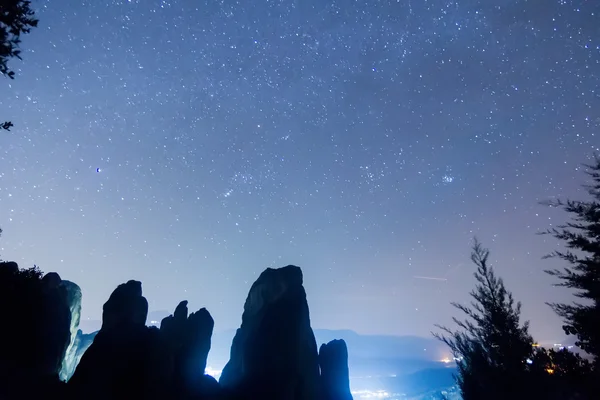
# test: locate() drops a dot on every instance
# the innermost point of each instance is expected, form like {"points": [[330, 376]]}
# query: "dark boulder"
{"points": [[8, 268], [36, 333], [55, 325], [274, 353], [126, 308], [188, 340], [127, 360], [335, 376]]}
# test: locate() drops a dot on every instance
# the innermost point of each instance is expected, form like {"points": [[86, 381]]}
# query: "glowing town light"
{"points": [[367, 394], [215, 373]]}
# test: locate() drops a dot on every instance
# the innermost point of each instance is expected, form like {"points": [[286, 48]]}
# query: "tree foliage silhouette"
{"points": [[562, 374], [491, 345], [16, 18], [581, 237]]}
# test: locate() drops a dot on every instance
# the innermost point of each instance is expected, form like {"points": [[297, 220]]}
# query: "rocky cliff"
{"points": [[73, 298], [274, 353]]}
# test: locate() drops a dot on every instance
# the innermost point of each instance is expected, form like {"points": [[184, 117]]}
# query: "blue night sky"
{"points": [[190, 144]]}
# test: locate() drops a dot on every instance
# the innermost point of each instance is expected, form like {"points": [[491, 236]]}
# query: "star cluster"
{"points": [[191, 144]]}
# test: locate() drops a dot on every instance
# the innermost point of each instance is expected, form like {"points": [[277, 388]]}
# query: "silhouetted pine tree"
{"points": [[492, 346], [582, 239], [16, 18]]}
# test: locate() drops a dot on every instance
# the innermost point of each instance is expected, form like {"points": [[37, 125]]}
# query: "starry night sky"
{"points": [[192, 143]]}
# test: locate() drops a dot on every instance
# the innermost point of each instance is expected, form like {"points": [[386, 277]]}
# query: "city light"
{"points": [[215, 373], [367, 394]]}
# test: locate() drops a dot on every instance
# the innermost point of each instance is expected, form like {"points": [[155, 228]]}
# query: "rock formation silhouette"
{"points": [[73, 293], [335, 377], [188, 340], [79, 346], [273, 355], [127, 360], [274, 352], [37, 312]]}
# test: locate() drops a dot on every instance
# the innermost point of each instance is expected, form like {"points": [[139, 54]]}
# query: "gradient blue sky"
{"points": [[191, 144]]}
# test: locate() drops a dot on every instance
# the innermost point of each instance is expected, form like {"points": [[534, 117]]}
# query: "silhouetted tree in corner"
{"points": [[582, 239], [491, 345], [16, 18], [561, 375]]}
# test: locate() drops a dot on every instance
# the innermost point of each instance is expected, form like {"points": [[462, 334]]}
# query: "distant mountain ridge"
{"points": [[387, 346], [407, 364], [369, 354], [362, 346]]}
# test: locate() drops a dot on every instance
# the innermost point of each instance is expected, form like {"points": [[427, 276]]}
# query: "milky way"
{"points": [[190, 144]]}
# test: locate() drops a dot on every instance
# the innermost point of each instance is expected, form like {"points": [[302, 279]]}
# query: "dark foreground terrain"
{"points": [[273, 355]]}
